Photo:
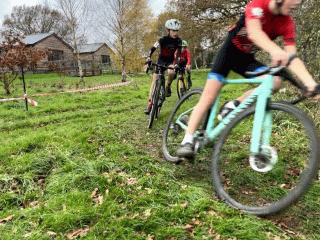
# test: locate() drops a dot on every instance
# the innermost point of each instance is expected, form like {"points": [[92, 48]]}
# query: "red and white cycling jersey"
{"points": [[273, 25]]}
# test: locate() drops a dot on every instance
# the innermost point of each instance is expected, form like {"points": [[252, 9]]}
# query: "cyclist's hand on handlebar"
{"points": [[147, 65], [148, 62], [316, 97], [280, 58], [314, 92], [317, 92]]}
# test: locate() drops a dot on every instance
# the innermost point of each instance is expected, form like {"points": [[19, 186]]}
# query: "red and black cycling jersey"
{"points": [[239, 55], [185, 58], [272, 25], [168, 46]]}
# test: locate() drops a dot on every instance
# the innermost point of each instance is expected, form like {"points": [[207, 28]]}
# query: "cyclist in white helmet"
{"points": [[168, 45]]}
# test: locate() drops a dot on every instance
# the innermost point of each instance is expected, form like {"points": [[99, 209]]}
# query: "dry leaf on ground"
{"points": [[7, 219], [78, 232], [96, 197]]}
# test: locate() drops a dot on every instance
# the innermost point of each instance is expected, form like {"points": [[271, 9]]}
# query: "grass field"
{"points": [[84, 165]]}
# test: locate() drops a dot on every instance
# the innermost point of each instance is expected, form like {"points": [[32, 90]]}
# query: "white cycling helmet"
{"points": [[173, 24]]}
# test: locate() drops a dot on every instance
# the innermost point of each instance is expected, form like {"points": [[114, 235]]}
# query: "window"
{"points": [[105, 58], [56, 55]]}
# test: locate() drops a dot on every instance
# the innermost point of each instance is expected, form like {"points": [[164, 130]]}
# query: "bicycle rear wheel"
{"points": [[294, 138], [174, 132], [154, 102]]}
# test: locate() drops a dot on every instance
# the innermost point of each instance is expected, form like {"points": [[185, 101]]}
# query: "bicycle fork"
{"points": [[262, 156]]}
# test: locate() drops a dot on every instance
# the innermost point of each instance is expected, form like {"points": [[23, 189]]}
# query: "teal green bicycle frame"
{"points": [[262, 118]]}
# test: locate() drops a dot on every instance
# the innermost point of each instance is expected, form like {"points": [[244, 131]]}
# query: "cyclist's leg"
{"points": [[148, 108], [171, 75], [222, 65], [207, 98], [189, 78], [181, 87], [155, 75]]}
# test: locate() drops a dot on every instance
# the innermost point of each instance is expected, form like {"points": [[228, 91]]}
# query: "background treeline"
{"points": [[130, 28]]}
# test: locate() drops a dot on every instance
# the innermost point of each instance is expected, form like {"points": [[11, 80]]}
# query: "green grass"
{"points": [[86, 161]]}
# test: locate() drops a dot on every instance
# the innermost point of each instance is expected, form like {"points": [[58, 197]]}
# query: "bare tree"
{"points": [[209, 19], [76, 12], [36, 19], [124, 23]]}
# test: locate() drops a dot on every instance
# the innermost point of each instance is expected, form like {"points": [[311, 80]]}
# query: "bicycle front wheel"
{"points": [[154, 102], [181, 86], [295, 142], [177, 123], [161, 98]]}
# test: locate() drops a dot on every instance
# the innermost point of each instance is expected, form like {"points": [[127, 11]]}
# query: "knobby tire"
{"points": [[294, 136]]}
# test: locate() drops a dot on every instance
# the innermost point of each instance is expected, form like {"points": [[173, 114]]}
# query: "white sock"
{"points": [[188, 138], [231, 105]]}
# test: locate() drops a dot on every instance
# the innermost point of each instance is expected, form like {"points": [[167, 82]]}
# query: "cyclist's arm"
{"points": [[188, 58], [153, 49], [298, 67], [278, 55], [262, 40]]}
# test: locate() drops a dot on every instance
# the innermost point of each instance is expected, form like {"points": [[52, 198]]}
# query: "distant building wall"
{"points": [[60, 52]]}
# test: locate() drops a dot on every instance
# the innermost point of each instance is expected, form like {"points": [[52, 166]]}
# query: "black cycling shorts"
{"points": [[229, 57]]}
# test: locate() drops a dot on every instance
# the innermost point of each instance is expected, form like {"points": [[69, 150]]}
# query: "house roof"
{"points": [[91, 48], [84, 48], [33, 39]]}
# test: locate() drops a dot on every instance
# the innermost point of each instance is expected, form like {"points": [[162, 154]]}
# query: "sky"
{"points": [[6, 6]]}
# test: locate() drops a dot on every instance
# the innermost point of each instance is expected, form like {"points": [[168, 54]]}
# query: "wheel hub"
{"points": [[265, 160]]}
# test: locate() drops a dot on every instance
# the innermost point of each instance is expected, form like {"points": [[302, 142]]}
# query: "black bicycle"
{"points": [[158, 93], [182, 87]]}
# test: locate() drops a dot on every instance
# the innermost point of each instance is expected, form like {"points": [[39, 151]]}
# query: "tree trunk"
{"points": [[75, 44], [6, 84], [80, 67], [123, 67]]}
